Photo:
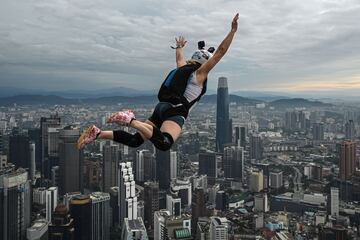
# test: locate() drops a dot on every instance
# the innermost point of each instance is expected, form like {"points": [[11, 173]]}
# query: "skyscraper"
{"points": [[256, 181], [208, 166], [15, 200], [334, 202], [151, 199], [163, 168], [51, 202], [80, 208], [347, 157], [256, 147], [318, 131], [198, 207], [127, 199], [100, 216], [350, 132], [233, 162], [45, 124], [70, 161], [35, 137], [240, 136], [111, 159], [173, 165], [222, 115], [19, 150], [144, 166]]}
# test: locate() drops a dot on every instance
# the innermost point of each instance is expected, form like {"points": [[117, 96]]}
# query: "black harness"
{"points": [[173, 88]]}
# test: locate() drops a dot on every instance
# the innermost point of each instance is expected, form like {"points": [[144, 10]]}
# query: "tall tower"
{"points": [[145, 166], [151, 199], [233, 162], [256, 147], [127, 199], [45, 124], [70, 161], [163, 168], [334, 202], [100, 216], [111, 159], [350, 132], [318, 131], [208, 166], [347, 157], [222, 114], [173, 165], [14, 203], [19, 150]]}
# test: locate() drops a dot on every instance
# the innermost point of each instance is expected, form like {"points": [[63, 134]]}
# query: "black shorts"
{"points": [[166, 111]]}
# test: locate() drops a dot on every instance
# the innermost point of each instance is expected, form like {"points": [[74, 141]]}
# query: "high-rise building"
{"points": [[173, 165], [62, 225], [134, 229], [240, 136], [318, 131], [221, 200], [100, 216], [32, 169], [91, 215], [222, 115], [276, 179], [111, 159], [55, 175], [171, 227], [182, 189], [151, 199], [114, 191], [208, 166], [144, 166], [256, 147], [163, 168], [70, 161], [80, 208], [219, 228], [173, 205], [256, 181], [334, 202], [198, 207], [261, 203], [53, 121], [347, 157], [350, 132], [233, 162], [51, 202], [19, 150], [127, 199], [15, 202], [35, 137]]}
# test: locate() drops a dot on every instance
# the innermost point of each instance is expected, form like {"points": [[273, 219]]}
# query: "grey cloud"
{"points": [[112, 42]]}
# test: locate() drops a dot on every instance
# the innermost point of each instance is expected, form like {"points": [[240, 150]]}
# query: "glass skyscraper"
{"points": [[222, 115]]}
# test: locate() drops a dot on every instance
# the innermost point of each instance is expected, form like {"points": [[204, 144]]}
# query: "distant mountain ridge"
{"points": [[57, 100]]}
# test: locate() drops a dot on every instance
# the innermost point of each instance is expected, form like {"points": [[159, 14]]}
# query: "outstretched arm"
{"points": [[203, 71], [180, 59]]}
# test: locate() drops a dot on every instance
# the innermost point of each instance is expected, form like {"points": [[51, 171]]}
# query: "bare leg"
{"points": [[109, 135], [172, 128], [144, 128], [106, 135]]}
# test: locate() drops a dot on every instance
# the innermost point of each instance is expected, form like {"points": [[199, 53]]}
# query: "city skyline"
{"points": [[307, 46]]}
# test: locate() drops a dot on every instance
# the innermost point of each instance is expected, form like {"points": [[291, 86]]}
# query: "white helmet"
{"points": [[201, 56]]}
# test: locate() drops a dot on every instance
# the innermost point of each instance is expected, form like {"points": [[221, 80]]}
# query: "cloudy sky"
{"points": [[281, 45]]}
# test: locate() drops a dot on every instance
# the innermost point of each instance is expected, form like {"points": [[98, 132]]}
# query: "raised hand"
{"points": [[180, 42], [234, 23]]}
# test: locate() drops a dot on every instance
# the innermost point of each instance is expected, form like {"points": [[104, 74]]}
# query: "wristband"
{"points": [[176, 47]]}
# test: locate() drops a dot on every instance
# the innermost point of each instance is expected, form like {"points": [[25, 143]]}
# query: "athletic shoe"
{"points": [[88, 136], [122, 118]]}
